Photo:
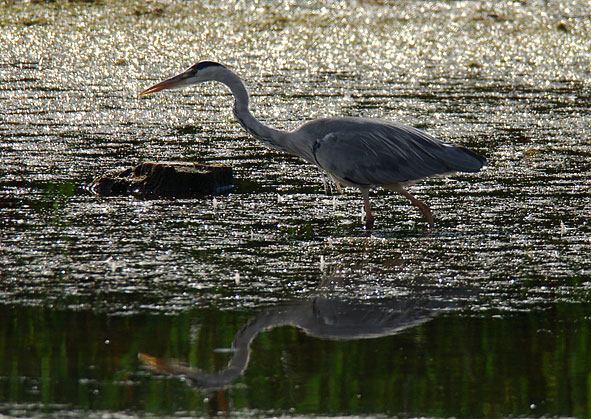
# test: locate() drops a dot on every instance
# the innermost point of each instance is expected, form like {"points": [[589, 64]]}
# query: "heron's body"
{"points": [[359, 152]]}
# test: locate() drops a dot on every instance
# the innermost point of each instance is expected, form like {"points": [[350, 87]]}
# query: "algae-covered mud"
{"points": [[276, 287]]}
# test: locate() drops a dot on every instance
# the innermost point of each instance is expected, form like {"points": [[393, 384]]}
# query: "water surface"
{"points": [[485, 316]]}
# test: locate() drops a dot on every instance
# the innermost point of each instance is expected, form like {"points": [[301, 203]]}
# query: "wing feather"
{"points": [[375, 153]]}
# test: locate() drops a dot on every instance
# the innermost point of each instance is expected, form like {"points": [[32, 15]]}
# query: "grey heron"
{"points": [[360, 152]]}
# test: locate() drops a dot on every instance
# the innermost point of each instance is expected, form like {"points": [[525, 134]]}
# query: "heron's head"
{"points": [[200, 72]]}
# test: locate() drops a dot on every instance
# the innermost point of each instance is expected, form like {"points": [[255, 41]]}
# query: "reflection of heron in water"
{"points": [[324, 318]]}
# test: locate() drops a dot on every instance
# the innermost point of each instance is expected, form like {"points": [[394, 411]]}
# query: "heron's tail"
{"points": [[464, 160]]}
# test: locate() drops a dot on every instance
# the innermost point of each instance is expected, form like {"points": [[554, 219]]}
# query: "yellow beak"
{"points": [[171, 83]]}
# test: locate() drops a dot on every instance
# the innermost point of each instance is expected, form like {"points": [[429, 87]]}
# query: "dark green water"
{"points": [[487, 316], [527, 363]]}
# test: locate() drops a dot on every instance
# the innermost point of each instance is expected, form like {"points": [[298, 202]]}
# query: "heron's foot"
{"points": [[369, 221], [429, 218], [428, 215]]}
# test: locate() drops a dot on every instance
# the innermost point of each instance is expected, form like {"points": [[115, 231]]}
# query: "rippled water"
{"points": [[495, 300]]}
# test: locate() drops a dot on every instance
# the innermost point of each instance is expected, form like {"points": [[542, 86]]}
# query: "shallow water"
{"points": [[486, 316]]}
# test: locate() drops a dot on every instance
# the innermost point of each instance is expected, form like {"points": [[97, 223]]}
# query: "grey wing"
{"points": [[374, 154]]}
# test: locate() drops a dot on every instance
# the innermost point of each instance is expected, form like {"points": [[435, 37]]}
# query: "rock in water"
{"points": [[166, 179]]}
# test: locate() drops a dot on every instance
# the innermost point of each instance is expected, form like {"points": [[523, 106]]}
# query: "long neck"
{"points": [[241, 345], [273, 137]]}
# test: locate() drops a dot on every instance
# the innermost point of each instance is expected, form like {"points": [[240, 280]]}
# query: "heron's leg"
{"points": [[337, 185], [369, 218], [424, 208]]}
